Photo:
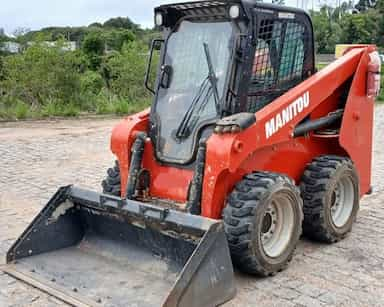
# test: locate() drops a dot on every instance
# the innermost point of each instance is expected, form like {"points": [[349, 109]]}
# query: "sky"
{"points": [[36, 14]]}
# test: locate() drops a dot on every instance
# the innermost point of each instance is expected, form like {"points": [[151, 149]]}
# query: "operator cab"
{"points": [[222, 58]]}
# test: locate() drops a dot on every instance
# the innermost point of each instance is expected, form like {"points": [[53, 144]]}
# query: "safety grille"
{"points": [[197, 5], [279, 61], [199, 10]]}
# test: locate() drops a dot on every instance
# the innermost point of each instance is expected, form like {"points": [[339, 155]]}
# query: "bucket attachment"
{"points": [[90, 249]]}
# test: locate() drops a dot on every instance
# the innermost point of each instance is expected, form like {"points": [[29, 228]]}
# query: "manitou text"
{"points": [[286, 115]]}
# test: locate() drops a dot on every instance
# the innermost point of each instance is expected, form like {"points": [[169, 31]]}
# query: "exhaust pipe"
{"points": [[319, 123]]}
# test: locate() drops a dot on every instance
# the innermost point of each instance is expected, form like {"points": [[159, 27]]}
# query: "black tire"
{"points": [[111, 184], [320, 190], [244, 221]]}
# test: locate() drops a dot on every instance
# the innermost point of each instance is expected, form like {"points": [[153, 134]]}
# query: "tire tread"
{"points": [[239, 214], [313, 190]]}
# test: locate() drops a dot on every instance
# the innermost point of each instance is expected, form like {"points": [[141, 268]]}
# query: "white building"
{"points": [[10, 47], [67, 46]]}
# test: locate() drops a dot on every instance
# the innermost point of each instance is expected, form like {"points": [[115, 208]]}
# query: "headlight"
{"points": [[234, 11], [159, 19]]}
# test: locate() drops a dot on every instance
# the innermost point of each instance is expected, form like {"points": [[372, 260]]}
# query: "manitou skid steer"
{"points": [[244, 147]]}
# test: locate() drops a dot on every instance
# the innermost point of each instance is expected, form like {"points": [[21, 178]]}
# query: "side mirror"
{"points": [[156, 45], [165, 76]]}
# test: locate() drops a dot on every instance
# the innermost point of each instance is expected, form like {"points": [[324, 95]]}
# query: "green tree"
{"points": [[1, 48], [94, 43], [115, 39], [94, 47], [380, 23], [364, 5], [124, 72], [359, 28], [2, 71], [41, 75], [95, 25], [121, 23], [105, 75], [327, 30]]}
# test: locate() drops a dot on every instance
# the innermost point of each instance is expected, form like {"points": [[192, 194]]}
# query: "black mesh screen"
{"points": [[197, 10], [278, 62]]}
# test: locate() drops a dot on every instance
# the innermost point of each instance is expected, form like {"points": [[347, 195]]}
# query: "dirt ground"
{"points": [[38, 157]]}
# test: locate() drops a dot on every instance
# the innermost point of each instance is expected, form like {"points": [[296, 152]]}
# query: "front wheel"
{"points": [[262, 220]]}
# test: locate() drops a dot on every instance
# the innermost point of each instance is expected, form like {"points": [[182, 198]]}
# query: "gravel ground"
{"points": [[37, 157]]}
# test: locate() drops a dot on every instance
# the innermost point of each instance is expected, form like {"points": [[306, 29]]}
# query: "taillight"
{"points": [[373, 77]]}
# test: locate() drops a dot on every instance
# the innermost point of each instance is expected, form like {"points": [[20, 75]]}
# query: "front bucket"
{"points": [[89, 249]]}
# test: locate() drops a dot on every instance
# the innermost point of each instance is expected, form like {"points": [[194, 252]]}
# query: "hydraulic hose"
{"points": [[135, 167]]}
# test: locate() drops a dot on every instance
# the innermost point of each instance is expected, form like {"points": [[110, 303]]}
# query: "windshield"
{"points": [[186, 55]]}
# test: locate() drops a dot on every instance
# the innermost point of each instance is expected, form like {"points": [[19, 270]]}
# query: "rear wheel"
{"points": [[262, 220], [330, 190], [111, 184]]}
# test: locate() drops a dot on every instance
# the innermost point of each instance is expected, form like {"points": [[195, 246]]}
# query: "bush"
{"points": [[124, 72], [40, 75], [45, 80], [359, 28], [115, 39], [104, 103], [16, 109], [380, 99], [21, 110], [55, 108], [91, 82]]}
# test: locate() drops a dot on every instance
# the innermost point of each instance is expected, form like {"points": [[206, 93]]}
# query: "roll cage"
{"points": [[265, 61]]}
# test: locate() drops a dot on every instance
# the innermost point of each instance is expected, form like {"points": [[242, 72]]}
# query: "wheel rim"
{"points": [[277, 226], [342, 202]]}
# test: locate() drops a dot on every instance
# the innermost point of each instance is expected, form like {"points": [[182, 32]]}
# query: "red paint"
{"points": [[230, 156], [166, 182], [356, 135], [123, 136]]}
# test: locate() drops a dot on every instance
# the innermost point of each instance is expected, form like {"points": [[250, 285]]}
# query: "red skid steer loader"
{"points": [[245, 147]]}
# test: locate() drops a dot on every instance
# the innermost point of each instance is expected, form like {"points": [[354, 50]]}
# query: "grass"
{"points": [[320, 66], [21, 110], [52, 109], [380, 98], [18, 110], [118, 106], [101, 105]]}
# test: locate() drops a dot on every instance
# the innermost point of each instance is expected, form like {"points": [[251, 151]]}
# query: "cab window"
{"points": [[278, 61]]}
